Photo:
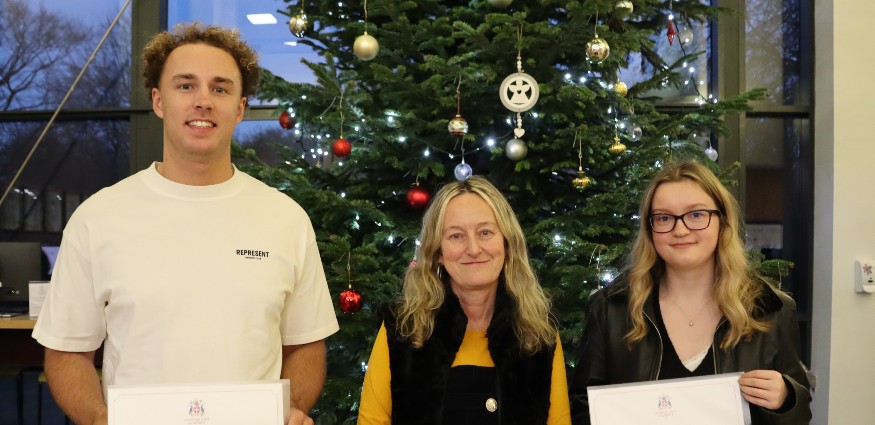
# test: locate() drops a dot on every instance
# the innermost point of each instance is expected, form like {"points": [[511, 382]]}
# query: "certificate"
{"points": [[713, 400], [257, 403]]}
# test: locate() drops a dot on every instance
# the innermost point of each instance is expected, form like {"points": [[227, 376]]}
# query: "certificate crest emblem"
{"points": [[664, 402], [196, 408]]}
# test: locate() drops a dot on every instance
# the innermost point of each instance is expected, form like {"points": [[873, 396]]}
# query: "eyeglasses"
{"points": [[694, 220]]}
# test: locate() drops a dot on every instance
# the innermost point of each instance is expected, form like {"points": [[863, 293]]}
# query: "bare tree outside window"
{"points": [[42, 53]]}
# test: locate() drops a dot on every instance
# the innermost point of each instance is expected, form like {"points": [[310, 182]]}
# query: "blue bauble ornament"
{"points": [[463, 172]]}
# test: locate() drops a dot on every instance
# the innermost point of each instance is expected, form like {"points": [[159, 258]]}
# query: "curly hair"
{"points": [[736, 283], [159, 48], [424, 291]]}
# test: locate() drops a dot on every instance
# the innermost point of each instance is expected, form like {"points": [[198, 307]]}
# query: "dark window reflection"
{"points": [[774, 52], [74, 160], [778, 195]]}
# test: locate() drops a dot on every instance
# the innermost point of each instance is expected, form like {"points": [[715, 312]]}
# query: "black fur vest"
{"points": [[419, 376]]}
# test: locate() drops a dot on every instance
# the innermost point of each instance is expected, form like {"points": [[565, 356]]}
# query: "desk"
{"points": [[17, 322]]}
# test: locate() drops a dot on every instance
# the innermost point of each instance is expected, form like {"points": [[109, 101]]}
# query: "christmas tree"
{"points": [[418, 88]]}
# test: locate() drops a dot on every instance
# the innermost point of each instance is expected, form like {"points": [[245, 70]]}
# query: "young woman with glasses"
{"points": [[689, 305]]}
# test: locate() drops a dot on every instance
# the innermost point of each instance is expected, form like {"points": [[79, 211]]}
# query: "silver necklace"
{"points": [[690, 322]]}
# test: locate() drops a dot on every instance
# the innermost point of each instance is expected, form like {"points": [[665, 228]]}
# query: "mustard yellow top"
{"points": [[375, 407]]}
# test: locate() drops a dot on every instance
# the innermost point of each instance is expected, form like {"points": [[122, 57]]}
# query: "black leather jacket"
{"points": [[604, 357]]}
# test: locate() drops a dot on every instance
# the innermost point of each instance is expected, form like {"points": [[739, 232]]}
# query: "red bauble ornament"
{"points": [[670, 33], [287, 121], [350, 301], [418, 197], [341, 147]]}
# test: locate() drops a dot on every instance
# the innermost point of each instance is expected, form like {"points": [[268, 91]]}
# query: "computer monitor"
{"points": [[20, 263]]}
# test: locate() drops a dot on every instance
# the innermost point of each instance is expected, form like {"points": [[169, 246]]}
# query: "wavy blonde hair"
{"points": [[736, 284], [424, 290]]}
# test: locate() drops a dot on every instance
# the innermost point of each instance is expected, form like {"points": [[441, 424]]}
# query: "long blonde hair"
{"points": [[424, 289], [736, 284]]}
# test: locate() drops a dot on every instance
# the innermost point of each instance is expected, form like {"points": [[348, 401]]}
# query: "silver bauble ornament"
{"points": [[634, 132], [516, 149], [458, 126], [685, 37], [500, 3], [597, 49], [625, 6], [298, 24], [463, 172], [712, 153], [366, 47]]}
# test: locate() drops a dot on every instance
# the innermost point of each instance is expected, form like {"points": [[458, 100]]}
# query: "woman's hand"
{"points": [[765, 388]]}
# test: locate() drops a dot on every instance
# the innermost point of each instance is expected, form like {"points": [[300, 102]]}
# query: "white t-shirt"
{"points": [[187, 283]]}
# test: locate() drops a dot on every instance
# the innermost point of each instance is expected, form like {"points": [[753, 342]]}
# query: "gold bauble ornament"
{"points": [[625, 6], [597, 49], [366, 47], [582, 181], [621, 89], [458, 126], [298, 24], [617, 148]]}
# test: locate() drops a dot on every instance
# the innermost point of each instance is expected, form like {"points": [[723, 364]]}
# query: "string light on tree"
{"points": [[366, 46]]}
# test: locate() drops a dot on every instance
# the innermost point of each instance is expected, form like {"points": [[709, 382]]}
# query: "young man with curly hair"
{"points": [[190, 270]]}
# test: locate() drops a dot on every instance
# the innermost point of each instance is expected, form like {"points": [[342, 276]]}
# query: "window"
{"points": [[44, 45]]}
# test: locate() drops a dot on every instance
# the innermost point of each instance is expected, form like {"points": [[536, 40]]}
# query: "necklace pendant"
{"points": [[691, 323]]}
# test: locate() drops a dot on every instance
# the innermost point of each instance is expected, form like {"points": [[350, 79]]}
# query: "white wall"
{"points": [[843, 328]]}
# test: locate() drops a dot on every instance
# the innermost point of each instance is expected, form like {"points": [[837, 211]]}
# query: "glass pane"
{"points": [[774, 54], [691, 38], [74, 160], [44, 45], [277, 48], [268, 140], [778, 191]]}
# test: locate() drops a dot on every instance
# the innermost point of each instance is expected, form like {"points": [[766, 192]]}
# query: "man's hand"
{"points": [[765, 388], [298, 417]]}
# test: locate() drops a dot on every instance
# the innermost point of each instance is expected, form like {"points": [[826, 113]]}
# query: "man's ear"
{"points": [[240, 109], [157, 105]]}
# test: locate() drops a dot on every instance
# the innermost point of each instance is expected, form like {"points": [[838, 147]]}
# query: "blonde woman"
{"points": [[471, 341], [689, 305]]}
